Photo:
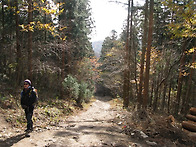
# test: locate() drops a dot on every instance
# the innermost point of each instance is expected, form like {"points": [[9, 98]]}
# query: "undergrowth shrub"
{"points": [[88, 94], [85, 93], [71, 87], [80, 92]]}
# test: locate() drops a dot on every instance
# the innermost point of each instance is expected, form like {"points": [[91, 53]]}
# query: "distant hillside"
{"points": [[97, 45]]}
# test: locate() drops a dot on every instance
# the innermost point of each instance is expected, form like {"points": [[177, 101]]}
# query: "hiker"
{"points": [[28, 101]]}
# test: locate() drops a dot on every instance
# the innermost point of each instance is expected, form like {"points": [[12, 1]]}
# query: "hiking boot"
{"points": [[29, 130]]}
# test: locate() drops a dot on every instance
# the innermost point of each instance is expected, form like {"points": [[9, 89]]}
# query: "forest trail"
{"points": [[94, 127]]}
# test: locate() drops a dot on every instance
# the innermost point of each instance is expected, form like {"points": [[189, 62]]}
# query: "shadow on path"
{"points": [[12, 140], [104, 99], [109, 133]]}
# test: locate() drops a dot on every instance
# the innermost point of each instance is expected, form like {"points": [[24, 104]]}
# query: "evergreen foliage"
{"points": [[173, 31], [71, 87], [112, 63], [80, 92], [58, 28], [61, 48]]}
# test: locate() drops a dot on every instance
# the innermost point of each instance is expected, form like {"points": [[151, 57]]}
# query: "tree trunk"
{"points": [[164, 96], [1, 48], [45, 32], [135, 68], [3, 19], [151, 94], [180, 78], [19, 54], [131, 66], [165, 86], [144, 40], [193, 111], [189, 125], [188, 92], [193, 99], [169, 98], [191, 117], [30, 41], [45, 21], [62, 69], [156, 95], [126, 70], [148, 52], [183, 96]]}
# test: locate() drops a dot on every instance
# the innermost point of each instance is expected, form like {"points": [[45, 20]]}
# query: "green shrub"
{"points": [[79, 92], [71, 87], [82, 96], [85, 93], [88, 95]]}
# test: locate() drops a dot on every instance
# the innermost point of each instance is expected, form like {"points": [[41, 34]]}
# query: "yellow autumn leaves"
{"points": [[185, 16], [46, 8]]}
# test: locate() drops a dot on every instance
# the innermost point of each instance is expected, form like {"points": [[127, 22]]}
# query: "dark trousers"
{"points": [[29, 114]]}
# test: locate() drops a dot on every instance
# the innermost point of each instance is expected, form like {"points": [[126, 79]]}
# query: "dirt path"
{"points": [[94, 127]]}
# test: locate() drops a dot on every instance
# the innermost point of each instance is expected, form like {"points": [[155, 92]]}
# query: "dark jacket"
{"points": [[28, 97]]}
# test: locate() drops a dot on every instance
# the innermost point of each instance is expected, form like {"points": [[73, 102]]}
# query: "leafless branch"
{"points": [[117, 2]]}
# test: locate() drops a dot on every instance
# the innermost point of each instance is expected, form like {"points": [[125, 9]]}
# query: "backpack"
{"points": [[36, 93], [35, 90]]}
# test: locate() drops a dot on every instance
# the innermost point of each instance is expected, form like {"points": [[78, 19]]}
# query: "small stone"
{"points": [[72, 125], [17, 131], [151, 143], [119, 123], [75, 138], [132, 134], [143, 135], [118, 115]]}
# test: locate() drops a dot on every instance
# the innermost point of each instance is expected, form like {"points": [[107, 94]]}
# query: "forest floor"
{"points": [[102, 123]]}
